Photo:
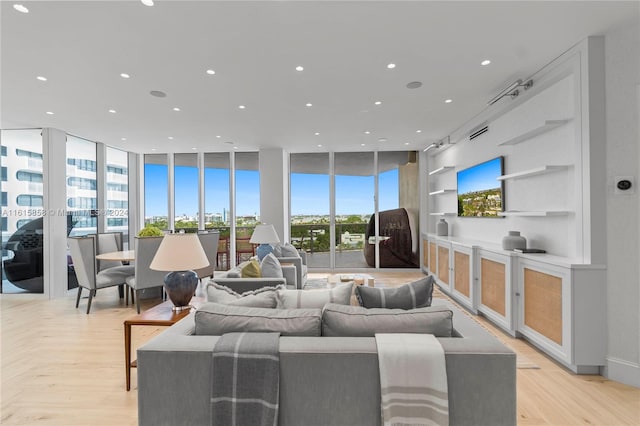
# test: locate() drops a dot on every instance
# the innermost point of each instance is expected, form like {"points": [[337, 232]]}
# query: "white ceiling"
{"points": [[81, 47]]}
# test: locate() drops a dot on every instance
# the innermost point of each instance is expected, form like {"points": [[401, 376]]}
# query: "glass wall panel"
{"points": [[82, 194], [186, 192], [156, 191], [310, 207], [216, 202], [354, 200], [22, 211], [247, 177], [118, 193]]}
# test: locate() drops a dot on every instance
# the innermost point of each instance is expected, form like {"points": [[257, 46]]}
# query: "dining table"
{"points": [[118, 256]]}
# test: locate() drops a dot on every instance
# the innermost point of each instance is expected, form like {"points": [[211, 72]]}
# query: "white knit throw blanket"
{"points": [[413, 380]]}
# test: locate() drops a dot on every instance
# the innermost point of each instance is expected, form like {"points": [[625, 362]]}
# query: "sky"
{"points": [[480, 177], [309, 192]]}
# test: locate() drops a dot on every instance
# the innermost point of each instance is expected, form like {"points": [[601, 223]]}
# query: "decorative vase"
{"points": [[442, 228], [514, 241]]}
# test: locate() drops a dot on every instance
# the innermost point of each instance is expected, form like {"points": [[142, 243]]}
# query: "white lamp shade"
{"points": [[264, 234], [179, 252]]}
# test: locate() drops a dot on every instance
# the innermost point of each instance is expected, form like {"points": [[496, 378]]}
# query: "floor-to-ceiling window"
{"points": [[156, 190], [118, 193], [247, 179], [185, 178], [22, 211], [354, 205], [310, 207], [82, 185], [216, 202]]}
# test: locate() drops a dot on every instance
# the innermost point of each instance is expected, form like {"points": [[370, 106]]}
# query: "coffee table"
{"points": [[160, 315]]}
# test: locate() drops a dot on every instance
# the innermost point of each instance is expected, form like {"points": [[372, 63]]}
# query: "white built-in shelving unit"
{"points": [[443, 214], [534, 213], [442, 191], [441, 170], [547, 126], [533, 172]]}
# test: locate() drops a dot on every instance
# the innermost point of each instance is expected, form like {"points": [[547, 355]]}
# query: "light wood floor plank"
{"points": [[60, 366]]}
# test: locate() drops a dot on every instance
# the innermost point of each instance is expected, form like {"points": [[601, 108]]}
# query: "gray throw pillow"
{"points": [[287, 250], [261, 298], [270, 267], [213, 319], [289, 299], [409, 296], [355, 321]]}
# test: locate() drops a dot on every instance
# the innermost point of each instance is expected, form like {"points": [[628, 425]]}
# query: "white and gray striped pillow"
{"points": [[297, 299], [409, 296]]}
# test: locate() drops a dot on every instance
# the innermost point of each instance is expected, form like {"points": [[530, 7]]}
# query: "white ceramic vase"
{"points": [[514, 241]]}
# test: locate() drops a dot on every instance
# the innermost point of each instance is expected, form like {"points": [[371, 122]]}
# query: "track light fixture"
{"points": [[512, 90], [438, 144]]}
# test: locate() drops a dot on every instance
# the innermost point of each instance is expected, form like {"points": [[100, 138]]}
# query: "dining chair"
{"points": [[244, 246], [145, 277], [83, 255], [209, 242], [108, 242], [222, 261]]}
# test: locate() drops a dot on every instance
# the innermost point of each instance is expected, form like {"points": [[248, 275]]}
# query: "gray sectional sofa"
{"points": [[326, 380]]}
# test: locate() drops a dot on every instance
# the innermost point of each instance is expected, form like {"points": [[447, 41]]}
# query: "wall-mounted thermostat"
{"points": [[624, 185]]}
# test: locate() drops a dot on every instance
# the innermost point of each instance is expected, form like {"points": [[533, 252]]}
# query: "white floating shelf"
{"points": [[545, 127], [441, 170], [537, 213], [443, 214], [533, 172], [442, 191]]}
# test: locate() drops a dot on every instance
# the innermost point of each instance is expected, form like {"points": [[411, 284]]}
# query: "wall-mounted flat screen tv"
{"points": [[480, 193]]}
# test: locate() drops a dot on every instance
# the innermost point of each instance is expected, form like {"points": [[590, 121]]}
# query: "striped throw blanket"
{"points": [[246, 379], [413, 380]]}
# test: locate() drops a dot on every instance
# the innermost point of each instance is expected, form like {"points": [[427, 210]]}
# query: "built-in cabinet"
{"points": [[556, 304]]}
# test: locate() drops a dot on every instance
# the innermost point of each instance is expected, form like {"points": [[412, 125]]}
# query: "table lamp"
{"points": [[265, 235], [180, 253]]}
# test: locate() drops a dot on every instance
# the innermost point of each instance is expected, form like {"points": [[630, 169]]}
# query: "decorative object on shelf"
{"points": [[180, 253], [265, 235], [514, 241], [442, 228]]}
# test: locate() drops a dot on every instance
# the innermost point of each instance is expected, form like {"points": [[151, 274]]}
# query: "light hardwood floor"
{"points": [[60, 366]]}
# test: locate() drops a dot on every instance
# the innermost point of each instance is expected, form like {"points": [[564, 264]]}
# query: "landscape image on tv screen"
{"points": [[480, 194]]}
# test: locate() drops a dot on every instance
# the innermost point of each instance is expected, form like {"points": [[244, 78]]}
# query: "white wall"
{"points": [[622, 57]]}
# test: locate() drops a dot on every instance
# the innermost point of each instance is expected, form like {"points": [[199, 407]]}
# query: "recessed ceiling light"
{"points": [[406, 143], [317, 133], [41, 78], [112, 111], [211, 72], [125, 75], [309, 105], [362, 144], [170, 138], [123, 139], [153, 149], [193, 148], [418, 131], [158, 94], [299, 68], [448, 101], [414, 85], [382, 139], [49, 113], [218, 136], [176, 109], [485, 62], [235, 147], [377, 103], [366, 132], [391, 66], [147, 2], [319, 145], [241, 106], [20, 8]]}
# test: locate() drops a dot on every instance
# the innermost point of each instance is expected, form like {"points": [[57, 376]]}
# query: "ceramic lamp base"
{"points": [[263, 250], [180, 286]]}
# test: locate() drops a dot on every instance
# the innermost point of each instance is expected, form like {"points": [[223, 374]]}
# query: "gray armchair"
{"points": [[83, 255], [300, 264], [146, 248]]}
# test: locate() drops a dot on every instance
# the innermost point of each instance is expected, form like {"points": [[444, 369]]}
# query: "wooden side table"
{"points": [[160, 315]]}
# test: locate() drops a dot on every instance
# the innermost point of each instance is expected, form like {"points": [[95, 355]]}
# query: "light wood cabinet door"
{"points": [[493, 285], [543, 304], [461, 273], [443, 264]]}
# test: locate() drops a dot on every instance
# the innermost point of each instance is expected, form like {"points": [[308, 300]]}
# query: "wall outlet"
{"points": [[624, 185]]}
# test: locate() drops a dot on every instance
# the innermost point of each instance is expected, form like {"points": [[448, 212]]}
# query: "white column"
{"points": [[101, 180], [171, 220], [54, 145], [332, 210], [135, 202], [274, 190], [201, 190], [232, 209]]}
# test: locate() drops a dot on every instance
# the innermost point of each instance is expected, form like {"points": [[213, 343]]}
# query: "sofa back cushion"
{"points": [[270, 267], [214, 319], [285, 250], [355, 321], [413, 295], [261, 298], [291, 299]]}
